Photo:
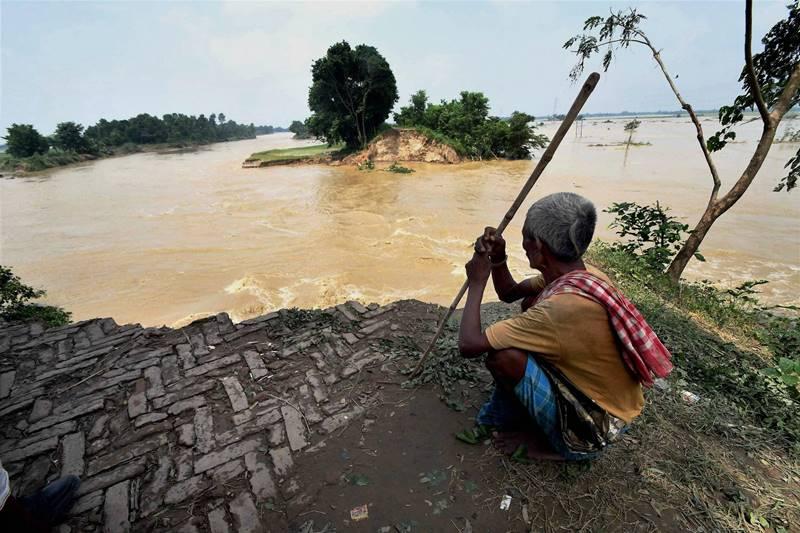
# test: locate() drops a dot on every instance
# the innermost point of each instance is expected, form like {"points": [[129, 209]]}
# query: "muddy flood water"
{"points": [[164, 238]]}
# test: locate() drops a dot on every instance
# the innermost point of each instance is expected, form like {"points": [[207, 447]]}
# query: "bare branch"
{"points": [[755, 88], [693, 116], [604, 43]]}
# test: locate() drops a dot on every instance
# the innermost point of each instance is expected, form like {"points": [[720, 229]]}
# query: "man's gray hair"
{"points": [[564, 221]]}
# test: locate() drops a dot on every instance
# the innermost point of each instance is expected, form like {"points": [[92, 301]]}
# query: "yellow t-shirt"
{"points": [[574, 334]]}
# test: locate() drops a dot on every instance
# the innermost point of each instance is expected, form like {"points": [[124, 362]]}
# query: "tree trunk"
{"points": [[716, 208], [692, 244]]}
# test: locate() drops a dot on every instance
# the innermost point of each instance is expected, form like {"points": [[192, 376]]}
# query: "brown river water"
{"points": [[164, 238]]}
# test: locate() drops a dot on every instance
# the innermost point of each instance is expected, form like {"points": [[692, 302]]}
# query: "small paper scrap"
{"points": [[689, 397], [359, 513], [505, 503]]}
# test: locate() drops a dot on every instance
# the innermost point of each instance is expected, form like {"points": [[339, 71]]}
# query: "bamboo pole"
{"points": [[583, 95]]}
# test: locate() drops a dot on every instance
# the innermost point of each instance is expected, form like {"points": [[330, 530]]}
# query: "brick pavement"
{"points": [[195, 429]]}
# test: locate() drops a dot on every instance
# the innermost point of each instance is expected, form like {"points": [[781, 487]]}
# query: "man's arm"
{"points": [[472, 341], [506, 288]]}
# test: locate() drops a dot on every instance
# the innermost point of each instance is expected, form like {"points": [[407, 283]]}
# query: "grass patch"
{"points": [[37, 162], [294, 154], [51, 315], [16, 302], [725, 345], [398, 169]]}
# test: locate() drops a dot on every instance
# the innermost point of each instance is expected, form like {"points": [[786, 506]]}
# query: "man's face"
{"points": [[532, 251]]}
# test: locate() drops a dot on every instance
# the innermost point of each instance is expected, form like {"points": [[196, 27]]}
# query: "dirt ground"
{"points": [[682, 466]]}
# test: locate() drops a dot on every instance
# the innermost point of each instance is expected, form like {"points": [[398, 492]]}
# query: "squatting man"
{"points": [[569, 369]]}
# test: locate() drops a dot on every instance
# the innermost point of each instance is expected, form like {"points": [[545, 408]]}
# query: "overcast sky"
{"points": [[85, 61]]}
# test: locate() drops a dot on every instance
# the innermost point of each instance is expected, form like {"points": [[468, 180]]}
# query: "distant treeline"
{"points": [[266, 130], [676, 112], [27, 149], [171, 128]]}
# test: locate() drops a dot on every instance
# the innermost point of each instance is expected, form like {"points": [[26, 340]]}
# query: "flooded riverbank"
{"points": [[162, 238]]}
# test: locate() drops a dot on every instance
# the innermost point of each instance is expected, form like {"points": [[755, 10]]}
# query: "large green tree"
{"points": [[22, 140], [69, 137], [770, 83], [352, 93]]}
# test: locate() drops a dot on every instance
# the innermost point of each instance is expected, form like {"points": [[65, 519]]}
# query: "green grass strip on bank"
{"points": [[295, 154], [726, 347]]}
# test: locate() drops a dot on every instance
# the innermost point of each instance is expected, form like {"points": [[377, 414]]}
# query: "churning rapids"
{"points": [[165, 238]]}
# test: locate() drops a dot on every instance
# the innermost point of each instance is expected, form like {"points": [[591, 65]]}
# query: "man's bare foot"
{"points": [[523, 445]]}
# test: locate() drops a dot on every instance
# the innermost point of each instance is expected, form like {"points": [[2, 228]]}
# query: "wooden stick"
{"points": [[583, 95]]}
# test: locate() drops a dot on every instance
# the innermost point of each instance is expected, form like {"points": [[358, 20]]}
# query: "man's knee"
{"points": [[507, 365]]}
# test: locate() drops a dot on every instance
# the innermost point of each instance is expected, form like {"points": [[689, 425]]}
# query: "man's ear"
{"points": [[542, 248]]}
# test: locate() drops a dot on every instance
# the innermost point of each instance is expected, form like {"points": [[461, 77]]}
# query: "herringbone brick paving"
{"points": [[195, 429]]}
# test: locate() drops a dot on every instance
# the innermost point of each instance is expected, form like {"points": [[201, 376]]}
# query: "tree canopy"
{"points": [[22, 140], [299, 129], [772, 69], [352, 93], [465, 124], [69, 137]]}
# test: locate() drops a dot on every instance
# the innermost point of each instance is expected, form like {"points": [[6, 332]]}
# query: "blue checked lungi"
{"points": [[533, 400]]}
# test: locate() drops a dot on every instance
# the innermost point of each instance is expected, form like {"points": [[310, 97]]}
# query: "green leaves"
{"points": [[616, 31], [398, 169], [352, 92], [787, 371], [15, 302], [69, 137], [24, 141], [651, 233], [773, 67], [465, 124], [789, 181], [358, 480], [633, 125], [718, 141]]}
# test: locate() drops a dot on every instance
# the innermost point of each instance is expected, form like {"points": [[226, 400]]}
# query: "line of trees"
{"points": [[266, 130], [23, 140], [465, 124], [171, 128]]}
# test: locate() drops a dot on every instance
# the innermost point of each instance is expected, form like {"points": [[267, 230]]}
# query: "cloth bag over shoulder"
{"points": [[585, 426]]}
